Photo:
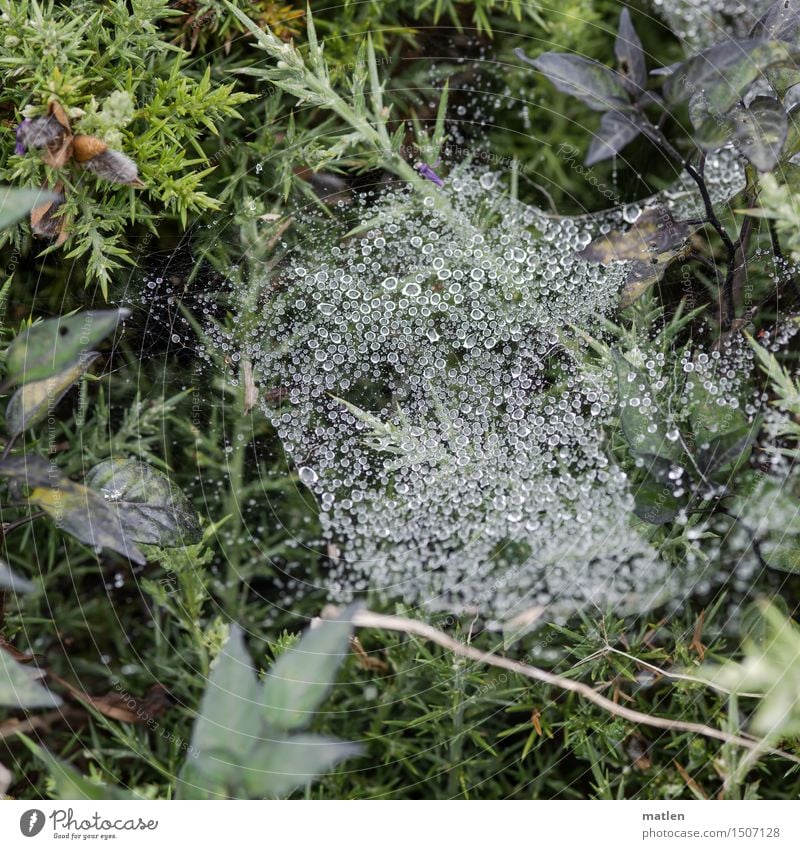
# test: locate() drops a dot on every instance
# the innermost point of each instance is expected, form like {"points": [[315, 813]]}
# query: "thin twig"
{"points": [[368, 619]]}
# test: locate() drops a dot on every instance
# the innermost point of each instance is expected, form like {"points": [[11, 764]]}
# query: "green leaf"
{"points": [[150, 508], [771, 667], [20, 687], [17, 203], [656, 502], [302, 675], [781, 21], [229, 716], [70, 784], [598, 87], [34, 400], [11, 581], [639, 418], [722, 74], [76, 509], [760, 131], [238, 750], [53, 345]]}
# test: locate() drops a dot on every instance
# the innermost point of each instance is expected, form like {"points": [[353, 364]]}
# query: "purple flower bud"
{"points": [[429, 174], [22, 129]]}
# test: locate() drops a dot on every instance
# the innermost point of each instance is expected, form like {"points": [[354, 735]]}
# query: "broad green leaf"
{"points": [[230, 712], [11, 581], [616, 130], [771, 667], [760, 131], [723, 456], [281, 765], [151, 509], [654, 233], [53, 345], [598, 87], [34, 400], [20, 687], [302, 675], [656, 502], [237, 750], [76, 509], [70, 784], [17, 203], [639, 418]]}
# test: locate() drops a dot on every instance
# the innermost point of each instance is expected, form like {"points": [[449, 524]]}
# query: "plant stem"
{"points": [[659, 139]]}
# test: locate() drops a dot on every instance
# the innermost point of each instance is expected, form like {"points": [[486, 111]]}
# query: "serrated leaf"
{"points": [[760, 131], [50, 346], [630, 55], [302, 675], [654, 233], [17, 203], [150, 508], [75, 508], [11, 581], [598, 87], [616, 130], [20, 687], [35, 399]]}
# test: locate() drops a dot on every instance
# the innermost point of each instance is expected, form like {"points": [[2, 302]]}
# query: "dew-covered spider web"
{"points": [[426, 376]]}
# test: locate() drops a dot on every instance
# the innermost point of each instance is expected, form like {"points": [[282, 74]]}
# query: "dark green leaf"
{"points": [[17, 203], [722, 456], [760, 131], [20, 687], [76, 509], [639, 419], [723, 73], [615, 132], [630, 56], [34, 400], [53, 345], [151, 509], [655, 502], [781, 22], [598, 87], [302, 675]]}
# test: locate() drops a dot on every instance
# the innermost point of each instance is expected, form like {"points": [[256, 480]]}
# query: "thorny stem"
{"points": [[368, 619]]}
